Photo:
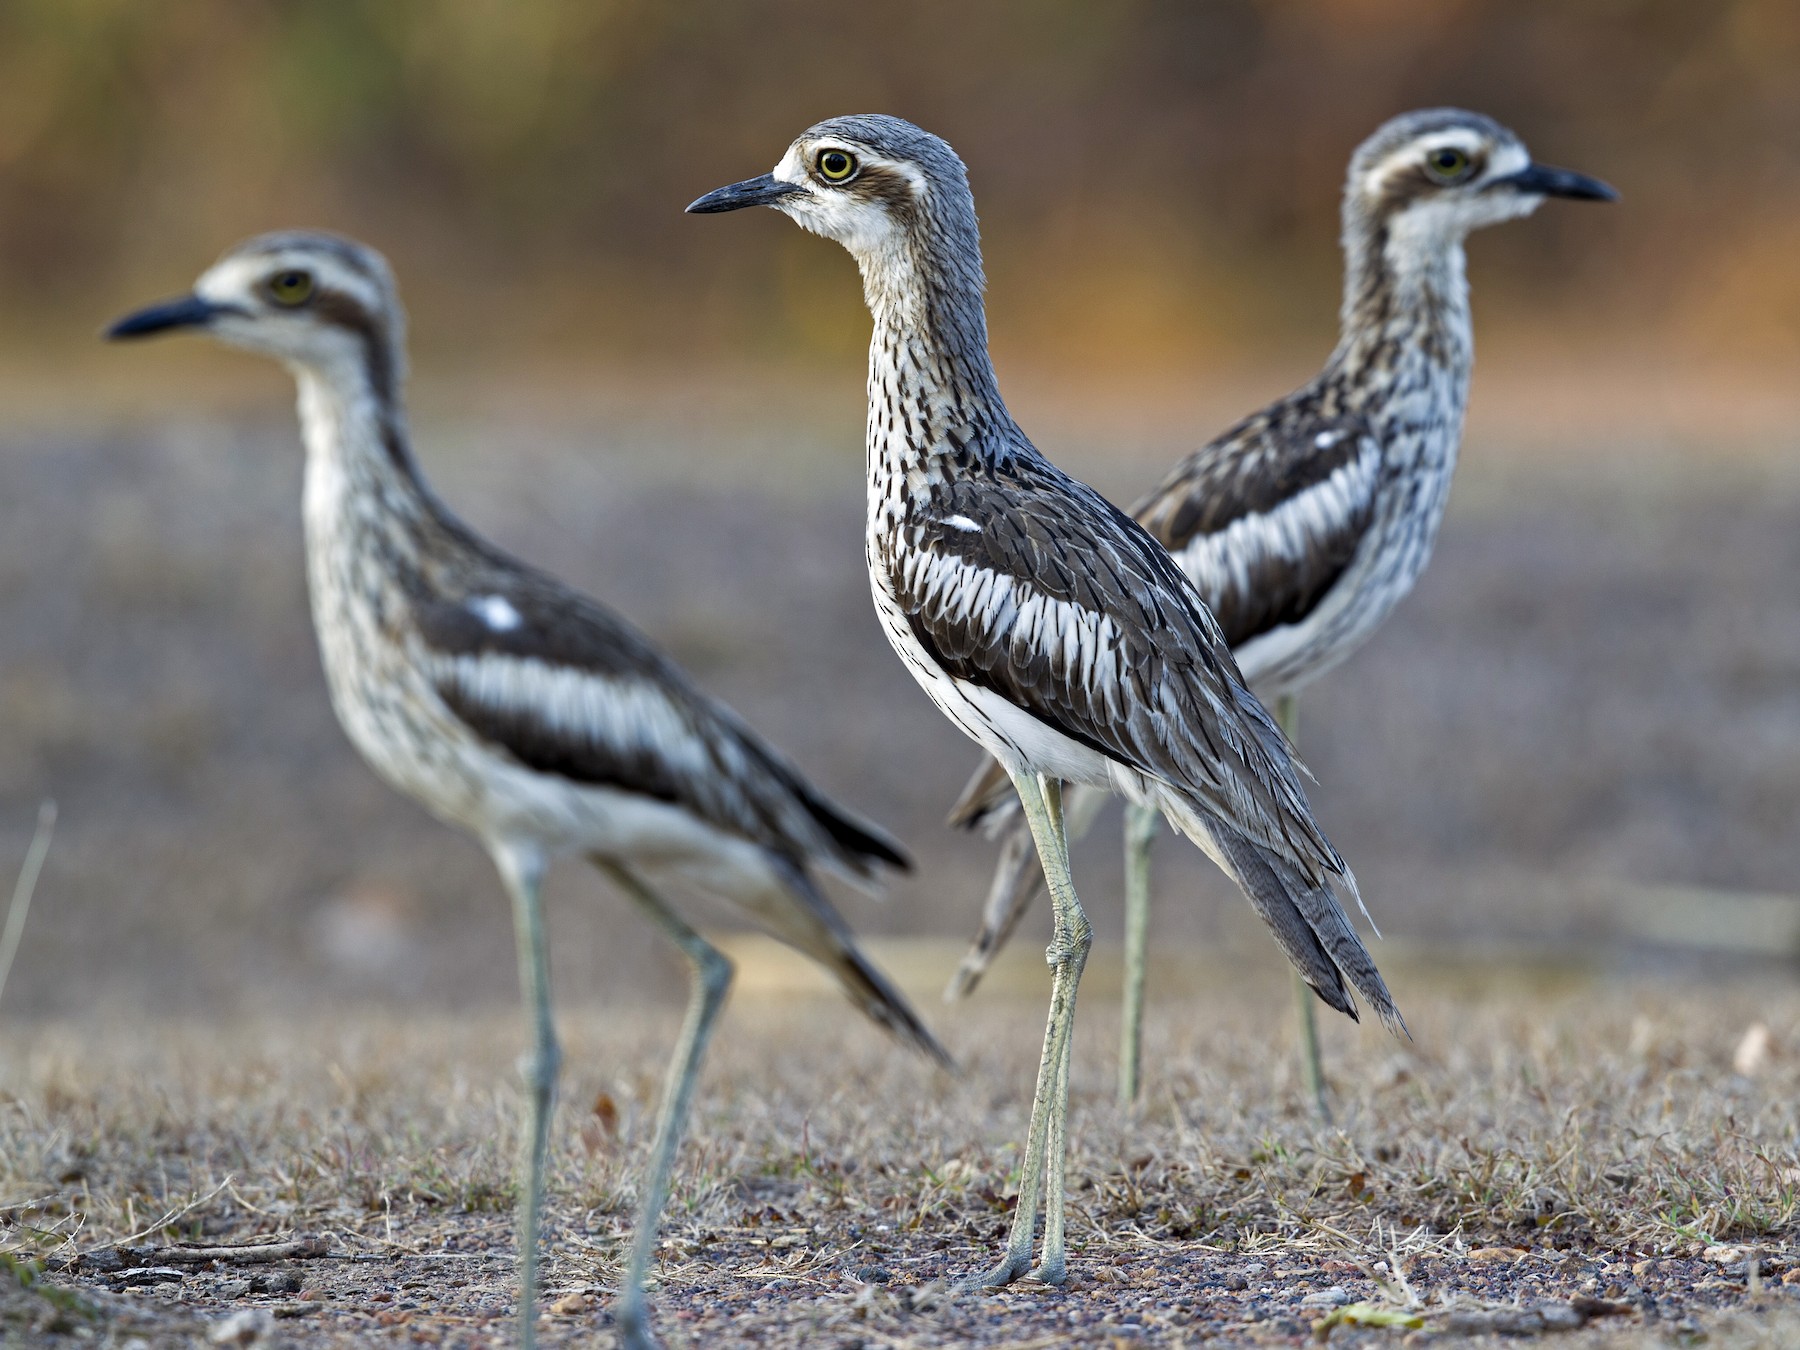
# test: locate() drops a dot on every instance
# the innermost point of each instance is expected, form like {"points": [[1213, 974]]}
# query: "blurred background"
{"points": [[1580, 738]]}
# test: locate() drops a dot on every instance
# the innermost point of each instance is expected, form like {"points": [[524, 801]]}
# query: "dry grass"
{"points": [[1536, 1143]]}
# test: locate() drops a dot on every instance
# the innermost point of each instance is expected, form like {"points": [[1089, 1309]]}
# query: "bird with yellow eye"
{"points": [[1304, 525]]}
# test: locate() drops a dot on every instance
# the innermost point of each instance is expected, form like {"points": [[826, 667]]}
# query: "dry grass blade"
{"points": [[22, 891], [175, 1215], [1579, 1160]]}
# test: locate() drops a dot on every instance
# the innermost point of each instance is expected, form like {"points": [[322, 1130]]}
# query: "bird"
{"points": [[1044, 622], [1306, 523], [522, 711]]}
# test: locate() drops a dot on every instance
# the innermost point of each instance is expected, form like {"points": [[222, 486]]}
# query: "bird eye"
{"points": [[837, 166], [1447, 163], [291, 289]]}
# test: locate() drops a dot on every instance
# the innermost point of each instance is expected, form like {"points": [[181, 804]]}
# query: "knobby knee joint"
{"points": [[1070, 945], [715, 972], [542, 1068]]}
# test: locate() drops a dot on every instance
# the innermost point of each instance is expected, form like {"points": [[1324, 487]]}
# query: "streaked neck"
{"points": [[1406, 304], [359, 463], [932, 388]]}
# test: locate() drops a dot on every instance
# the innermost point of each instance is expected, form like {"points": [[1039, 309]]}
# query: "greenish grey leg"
{"points": [[1312, 1065], [1045, 1144], [523, 872], [712, 980], [1140, 833]]}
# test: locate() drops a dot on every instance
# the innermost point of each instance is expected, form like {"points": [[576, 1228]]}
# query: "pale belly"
{"points": [[1011, 735]]}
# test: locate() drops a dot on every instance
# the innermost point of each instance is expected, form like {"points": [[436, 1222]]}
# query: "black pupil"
{"points": [[290, 281], [837, 164], [1448, 159]]}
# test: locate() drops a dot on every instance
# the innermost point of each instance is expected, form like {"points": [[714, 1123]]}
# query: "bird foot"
{"points": [[1052, 1272], [633, 1326], [1011, 1267]]}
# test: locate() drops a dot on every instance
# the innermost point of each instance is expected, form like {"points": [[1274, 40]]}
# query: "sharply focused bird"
{"points": [[1306, 523], [524, 712], [1044, 622]]}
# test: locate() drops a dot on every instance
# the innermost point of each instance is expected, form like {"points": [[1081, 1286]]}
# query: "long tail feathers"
{"points": [[817, 929], [865, 845], [987, 801], [869, 989], [1311, 927], [1320, 907], [1018, 876], [1017, 880], [1306, 918]]}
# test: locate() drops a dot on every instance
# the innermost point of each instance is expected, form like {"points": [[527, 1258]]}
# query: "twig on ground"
{"points": [[300, 1247], [27, 883]]}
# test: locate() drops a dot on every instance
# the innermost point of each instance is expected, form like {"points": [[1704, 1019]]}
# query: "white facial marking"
{"points": [[296, 336], [1409, 156], [496, 612], [863, 227], [792, 168], [1507, 160]]}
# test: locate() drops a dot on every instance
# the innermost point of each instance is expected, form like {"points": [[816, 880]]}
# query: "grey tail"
{"points": [[1311, 927], [869, 989], [829, 941], [1017, 880], [864, 844], [987, 801]]}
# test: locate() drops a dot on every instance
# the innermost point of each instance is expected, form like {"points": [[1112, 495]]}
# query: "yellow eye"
{"points": [[837, 166], [1447, 163], [291, 288]]}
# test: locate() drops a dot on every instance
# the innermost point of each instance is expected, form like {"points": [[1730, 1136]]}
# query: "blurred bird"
{"points": [[1306, 523], [1042, 621], [524, 712]]}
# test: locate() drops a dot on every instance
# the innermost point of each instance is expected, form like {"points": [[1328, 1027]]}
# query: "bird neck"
{"points": [[1405, 312], [361, 478], [932, 390]]}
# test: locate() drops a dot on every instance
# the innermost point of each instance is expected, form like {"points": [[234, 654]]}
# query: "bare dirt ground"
{"points": [[1607, 1162]]}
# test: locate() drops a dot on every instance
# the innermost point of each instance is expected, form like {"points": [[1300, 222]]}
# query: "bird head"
{"points": [[315, 301], [1432, 176], [869, 181]]}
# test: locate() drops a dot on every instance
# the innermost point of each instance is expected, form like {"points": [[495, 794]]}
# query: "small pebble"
{"points": [[1334, 1297]]}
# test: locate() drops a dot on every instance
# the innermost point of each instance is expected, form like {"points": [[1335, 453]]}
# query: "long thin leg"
{"points": [[523, 871], [1045, 1149], [712, 979], [1312, 1066], [1140, 833]]}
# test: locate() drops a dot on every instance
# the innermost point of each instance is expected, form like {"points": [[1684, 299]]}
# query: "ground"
{"points": [[1616, 1152]]}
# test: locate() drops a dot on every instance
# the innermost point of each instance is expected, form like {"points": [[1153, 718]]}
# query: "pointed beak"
{"points": [[1548, 182], [765, 191], [190, 311]]}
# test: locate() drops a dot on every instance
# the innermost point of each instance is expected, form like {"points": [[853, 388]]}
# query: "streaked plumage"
{"points": [[1040, 619], [1306, 523], [517, 708]]}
